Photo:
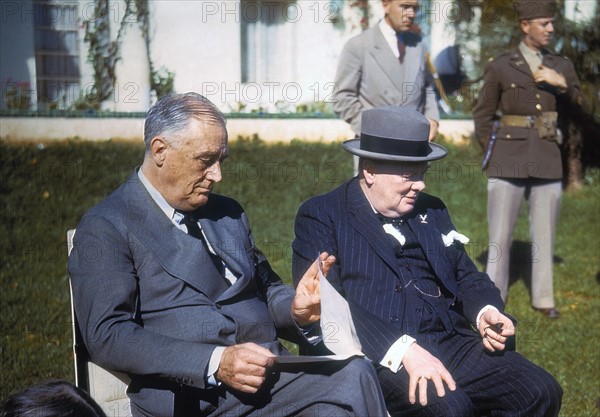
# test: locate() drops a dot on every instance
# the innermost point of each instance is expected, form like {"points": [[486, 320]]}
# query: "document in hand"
{"points": [[337, 327]]}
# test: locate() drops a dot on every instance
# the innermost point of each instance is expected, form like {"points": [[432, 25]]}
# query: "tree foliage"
{"points": [[493, 23]]}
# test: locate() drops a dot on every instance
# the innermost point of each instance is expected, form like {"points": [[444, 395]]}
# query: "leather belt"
{"points": [[545, 123], [518, 121]]}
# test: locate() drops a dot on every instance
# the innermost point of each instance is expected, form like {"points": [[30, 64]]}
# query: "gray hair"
{"points": [[173, 113]]}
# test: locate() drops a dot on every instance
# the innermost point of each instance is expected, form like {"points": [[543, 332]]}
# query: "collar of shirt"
{"points": [[160, 201], [389, 35], [533, 58], [176, 218]]}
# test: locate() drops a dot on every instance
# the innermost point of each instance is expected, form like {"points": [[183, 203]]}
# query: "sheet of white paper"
{"points": [[337, 327]]}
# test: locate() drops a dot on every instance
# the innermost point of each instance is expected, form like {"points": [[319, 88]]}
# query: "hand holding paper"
{"points": [[337, 327], [306, 307], [317, 299]]}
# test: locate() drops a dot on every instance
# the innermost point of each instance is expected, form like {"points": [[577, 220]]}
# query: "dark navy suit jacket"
{"points": [[344, 224]]}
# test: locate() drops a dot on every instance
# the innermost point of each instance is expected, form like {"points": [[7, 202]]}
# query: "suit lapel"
{"points": [[386, 60], [430, 238], [179, 254], [517, 61], [549, 60], [414, 59], [225, 239], [365, 222]]}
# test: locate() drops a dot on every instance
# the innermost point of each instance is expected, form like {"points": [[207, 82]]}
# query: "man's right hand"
{"points": [[244, 367], [421, 367]]}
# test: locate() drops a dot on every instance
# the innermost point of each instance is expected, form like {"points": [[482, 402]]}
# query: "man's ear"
{"points": [[158, 150], [368, 169], [525, 26]]}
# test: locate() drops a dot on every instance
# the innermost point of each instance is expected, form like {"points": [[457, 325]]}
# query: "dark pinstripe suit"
{"points": [[343, 223]]}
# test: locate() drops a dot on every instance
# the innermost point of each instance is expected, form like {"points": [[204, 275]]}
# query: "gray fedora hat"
{"points": [[393, 133]]}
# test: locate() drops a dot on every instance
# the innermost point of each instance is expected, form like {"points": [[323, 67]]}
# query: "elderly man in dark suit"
{"points": [[170, 288], [415, 295], [386, 65], [516, 123]]}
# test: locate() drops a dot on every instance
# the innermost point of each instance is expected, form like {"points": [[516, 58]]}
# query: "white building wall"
{"points": [[200, 42], [293, 54], [293, 60]]}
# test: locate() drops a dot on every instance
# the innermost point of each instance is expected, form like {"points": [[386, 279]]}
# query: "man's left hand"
{"points": [[306, 307], [495, 328]]}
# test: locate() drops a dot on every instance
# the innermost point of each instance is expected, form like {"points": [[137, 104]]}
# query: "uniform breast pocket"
{"points": [[512, 133], [521, 93]]}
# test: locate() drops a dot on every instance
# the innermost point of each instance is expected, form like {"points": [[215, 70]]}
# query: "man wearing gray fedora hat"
{"points": [[433, 325]]}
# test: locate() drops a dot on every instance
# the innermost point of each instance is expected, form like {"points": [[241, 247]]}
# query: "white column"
{"points": [[132, 70]]}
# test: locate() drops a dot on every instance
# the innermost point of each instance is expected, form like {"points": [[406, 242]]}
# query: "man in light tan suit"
{"points": [[386, 65]]}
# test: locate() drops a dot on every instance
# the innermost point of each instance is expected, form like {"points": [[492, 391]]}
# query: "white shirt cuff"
{"points": [[213, 366], [395, 354], [483, 310]]}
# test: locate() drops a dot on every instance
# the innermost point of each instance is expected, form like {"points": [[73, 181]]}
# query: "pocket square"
{"points": [[452, 236]]}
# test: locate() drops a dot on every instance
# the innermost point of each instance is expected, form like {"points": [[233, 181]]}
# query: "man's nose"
{"points": [[418, 185], [214, 173]]}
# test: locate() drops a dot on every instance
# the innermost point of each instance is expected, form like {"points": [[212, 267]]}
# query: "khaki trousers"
{"points": [[504, 202]]}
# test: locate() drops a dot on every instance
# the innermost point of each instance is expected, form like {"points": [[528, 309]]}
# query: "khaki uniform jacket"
{"points": [[509, 89]]}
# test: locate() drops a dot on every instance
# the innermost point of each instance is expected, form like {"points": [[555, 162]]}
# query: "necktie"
{"points": [[401, 47], [396, 221], [191, 223]]}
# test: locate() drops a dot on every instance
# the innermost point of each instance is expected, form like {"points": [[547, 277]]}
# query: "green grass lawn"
{"points": [[45, 190]]}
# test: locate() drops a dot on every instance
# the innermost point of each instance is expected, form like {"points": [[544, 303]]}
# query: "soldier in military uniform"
{"points": [[515, 122]]}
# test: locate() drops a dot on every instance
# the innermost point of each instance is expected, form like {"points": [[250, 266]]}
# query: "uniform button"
{"points": [[513, 85], [394, 319], [218, 306], [537, 96], [418, 310], [538, 106], [508, 136], [398, 288]]}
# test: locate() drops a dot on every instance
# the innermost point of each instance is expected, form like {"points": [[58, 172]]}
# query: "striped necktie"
{"points": [[191, 223]]}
